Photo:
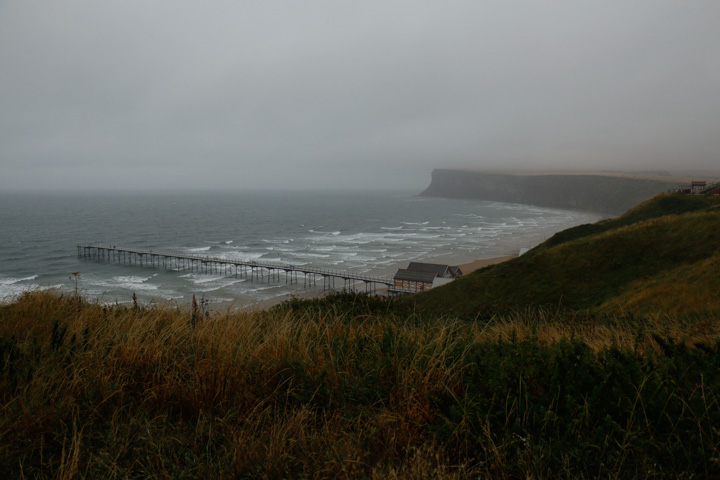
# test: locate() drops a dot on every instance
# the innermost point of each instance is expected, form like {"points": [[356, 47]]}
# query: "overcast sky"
{"points": [[140, 94]]}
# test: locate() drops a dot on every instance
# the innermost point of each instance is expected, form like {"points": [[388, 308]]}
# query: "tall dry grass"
{"points": [[93, 391], [125, 390], [599, 332]]}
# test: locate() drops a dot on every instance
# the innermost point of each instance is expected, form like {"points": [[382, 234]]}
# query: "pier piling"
{"points": [[255, 271]]}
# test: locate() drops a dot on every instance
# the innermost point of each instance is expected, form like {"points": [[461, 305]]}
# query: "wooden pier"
{"points": [[256, 271]]}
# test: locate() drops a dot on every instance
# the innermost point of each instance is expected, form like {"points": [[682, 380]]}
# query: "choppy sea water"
{"points": [[374, 232]]}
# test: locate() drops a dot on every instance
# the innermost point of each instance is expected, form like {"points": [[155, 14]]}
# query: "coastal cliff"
{"points": [[612, 195], [643, 262]]}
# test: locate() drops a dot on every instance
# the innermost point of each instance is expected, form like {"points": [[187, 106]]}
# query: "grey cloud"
{"points": [[367, 94]]}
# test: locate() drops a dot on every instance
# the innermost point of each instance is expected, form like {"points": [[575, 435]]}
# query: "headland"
{"points": [[608, 193]]}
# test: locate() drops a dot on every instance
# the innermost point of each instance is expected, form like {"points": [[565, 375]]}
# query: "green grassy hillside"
{"points": [[661, 255]]}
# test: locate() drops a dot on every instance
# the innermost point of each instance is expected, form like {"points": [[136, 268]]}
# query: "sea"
{"points": [[363, 232]]}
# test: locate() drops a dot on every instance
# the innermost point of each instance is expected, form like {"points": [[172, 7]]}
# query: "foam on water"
{"points": [[382, 232], [241, 256], [128, 283], [9, 291], [308, 255], [11, 288], [198, 249], [13, 281]]}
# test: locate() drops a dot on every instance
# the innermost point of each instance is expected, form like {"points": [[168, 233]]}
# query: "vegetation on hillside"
{"points": [[595, 355], [350, 387], [656, 207], [661, 256]]}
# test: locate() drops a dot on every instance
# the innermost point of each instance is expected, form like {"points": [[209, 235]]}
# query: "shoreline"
{"points": [[466, 267]]}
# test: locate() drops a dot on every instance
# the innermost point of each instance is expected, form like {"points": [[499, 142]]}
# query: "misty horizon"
{"points": [[137, 96]]}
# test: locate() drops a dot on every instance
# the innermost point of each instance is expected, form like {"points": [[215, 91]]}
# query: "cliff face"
{"points": [[603, 194]]}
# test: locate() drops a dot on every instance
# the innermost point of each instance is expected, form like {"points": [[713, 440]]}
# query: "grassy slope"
{"points": [[658, 206], [651, 258], [346, 388]]}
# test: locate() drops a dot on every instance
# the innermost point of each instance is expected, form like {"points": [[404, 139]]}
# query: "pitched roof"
{"points": [[437, 269], [414, 276], [455, 271]]}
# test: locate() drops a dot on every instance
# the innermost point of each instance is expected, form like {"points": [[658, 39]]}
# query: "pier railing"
{"points": [[208, 264]]}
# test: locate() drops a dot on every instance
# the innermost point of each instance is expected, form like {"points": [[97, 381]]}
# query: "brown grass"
{"points": [[598, 332], [127, 377], [90, 391]]}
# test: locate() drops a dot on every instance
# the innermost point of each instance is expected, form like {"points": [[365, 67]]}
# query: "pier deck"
{"points": [[254, 270]]}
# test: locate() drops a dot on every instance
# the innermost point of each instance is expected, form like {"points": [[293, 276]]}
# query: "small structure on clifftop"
{"points": [[424, 276], [699, 187]]}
